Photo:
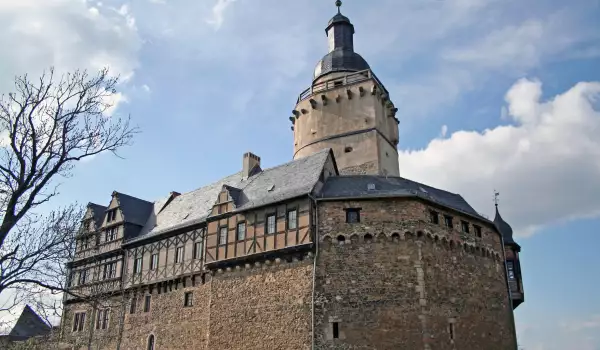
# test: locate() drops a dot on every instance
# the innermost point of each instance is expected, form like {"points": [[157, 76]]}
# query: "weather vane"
{"points": [[338, 3], [496, 195]]}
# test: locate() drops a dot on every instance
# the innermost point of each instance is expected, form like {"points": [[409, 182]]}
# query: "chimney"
{"points": [[251, 161]]}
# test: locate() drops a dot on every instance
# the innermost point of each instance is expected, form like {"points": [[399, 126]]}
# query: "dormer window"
{"points": [[111, 215], [111, 234]]}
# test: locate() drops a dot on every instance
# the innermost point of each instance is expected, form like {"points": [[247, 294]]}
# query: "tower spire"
{"points": [[338, 3]]}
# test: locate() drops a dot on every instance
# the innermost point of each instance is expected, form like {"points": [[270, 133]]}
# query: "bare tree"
{"points": [[46, 126]]}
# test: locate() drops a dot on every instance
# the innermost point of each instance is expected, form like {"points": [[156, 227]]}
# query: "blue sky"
{"points": [[492, 94]]}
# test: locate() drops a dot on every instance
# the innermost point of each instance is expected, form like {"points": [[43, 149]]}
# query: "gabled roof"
{"points": [[282, 182], [29, 325], [98, 213], [235, 194], [134, 210], [371, 186]]}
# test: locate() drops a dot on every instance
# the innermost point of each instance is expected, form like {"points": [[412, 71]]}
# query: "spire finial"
{"points": [[338, 3], [496, 195]]}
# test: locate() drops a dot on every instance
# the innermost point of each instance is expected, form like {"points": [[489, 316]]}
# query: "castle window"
{"points": [[241, 231], [448, 221], [150, 342], [434, 217], [102, 318], [137, 265], [188, 299], [179, 255], [451, 331], [465, 226], [147, 300], [352, 215], [133, 305], [82, 276], [198, 250], [271, 224], [223, 235], [111, 234], [477, 230], [154, 261], [510, 267], [111, 216], [336, 330], [292, 219], [110, 270], [78, 321]]}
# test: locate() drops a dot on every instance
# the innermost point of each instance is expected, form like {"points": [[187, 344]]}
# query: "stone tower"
{"points": [[347, 109]]}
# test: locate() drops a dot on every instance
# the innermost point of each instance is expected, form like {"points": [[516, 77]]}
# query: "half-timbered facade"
{"points": [[304, 255]]}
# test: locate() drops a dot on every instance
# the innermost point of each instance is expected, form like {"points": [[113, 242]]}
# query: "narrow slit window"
{"points": [[336, 330], [451, 331], [271, 224], [179, 255], [154, 261], [137, 265], [198, 250], [292, 219], [241, 231], [223, 236], [188, 299], [133, 305], [147, 301]]}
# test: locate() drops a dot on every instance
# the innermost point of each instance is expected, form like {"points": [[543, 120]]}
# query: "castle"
{"points": [[333, 250]]}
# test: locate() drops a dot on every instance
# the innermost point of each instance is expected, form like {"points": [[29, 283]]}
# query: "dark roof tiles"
{"points": [[135, 210]]}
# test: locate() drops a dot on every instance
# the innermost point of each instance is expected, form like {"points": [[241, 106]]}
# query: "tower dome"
{"points": [[505, 230], [341, 56]]}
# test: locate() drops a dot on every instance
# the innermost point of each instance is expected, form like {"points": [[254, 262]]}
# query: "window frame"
{"points": [[188, 299], [510, 269], [82, 280], [153, 261], [237, 231], [147, 302], [434, 217], [110, 235], [449, 219], [102, 318], [79, 321], [109, 272], [133, 305], [268, 226], [198, 247], [464, 226], [287, 219], [111, 215], [137, 264], [179, 254], [220, 238], [349, 212], [478, 231]]}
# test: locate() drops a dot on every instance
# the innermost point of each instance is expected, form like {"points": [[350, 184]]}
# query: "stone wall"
{"points": [[254, 307], [396, 281]]}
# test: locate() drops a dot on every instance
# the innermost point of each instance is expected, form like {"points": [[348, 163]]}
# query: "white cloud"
{"points": [[66, 34], [146, 88], [114, 100], [546, 166], [218, 11]]}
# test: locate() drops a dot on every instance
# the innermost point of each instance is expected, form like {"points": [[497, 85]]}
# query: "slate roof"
{"points": [[28, 325], [354, 186], [98, 211], [135, 210], [505, 229], [282, 182]]}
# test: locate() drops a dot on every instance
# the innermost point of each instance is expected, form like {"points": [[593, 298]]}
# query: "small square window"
{"points": [[465, 226], [448, 221], [477, 231], [241, 231], [179, 255], [292, 219], [510, 266], [188, 299], [154, 261], [352, 215], [271, 224], [223, 235], [147, 300], [434, 217]]}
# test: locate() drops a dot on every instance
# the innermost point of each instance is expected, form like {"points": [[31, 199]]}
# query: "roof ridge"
{"points": [[130, 196]]}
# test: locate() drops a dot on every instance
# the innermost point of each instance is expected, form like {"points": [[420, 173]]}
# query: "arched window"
{"points": [[151, 342]]}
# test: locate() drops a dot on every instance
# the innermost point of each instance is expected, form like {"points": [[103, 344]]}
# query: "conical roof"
{"points": [[505, 230]]}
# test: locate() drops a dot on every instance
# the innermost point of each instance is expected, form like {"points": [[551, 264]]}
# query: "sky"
{"points": [[492, 95]]}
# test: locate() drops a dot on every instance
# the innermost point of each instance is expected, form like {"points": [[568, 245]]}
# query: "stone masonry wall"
{"points": [[254, 307], [266, 307], [396, 281]]}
